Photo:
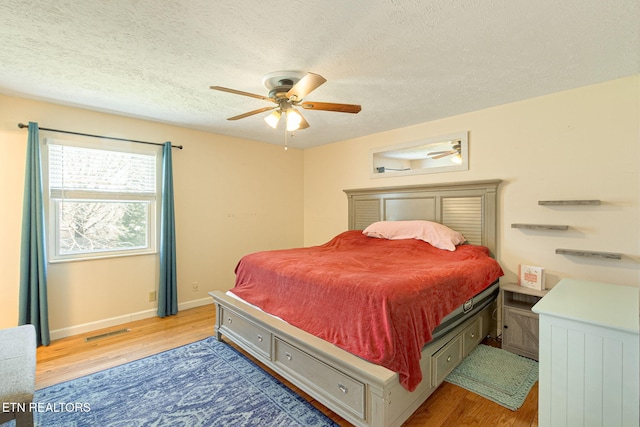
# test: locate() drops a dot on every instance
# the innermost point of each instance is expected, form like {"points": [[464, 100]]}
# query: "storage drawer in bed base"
{"points": [[333, 384], [257, 340]]}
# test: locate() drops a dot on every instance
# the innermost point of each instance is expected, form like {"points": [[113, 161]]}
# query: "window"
{"points": [[101, 199]]}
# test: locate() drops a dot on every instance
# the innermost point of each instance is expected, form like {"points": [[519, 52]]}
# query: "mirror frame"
{"points": [[464, 155]]}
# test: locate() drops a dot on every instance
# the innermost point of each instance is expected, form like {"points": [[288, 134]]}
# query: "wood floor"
{"points": [[73, 357]]}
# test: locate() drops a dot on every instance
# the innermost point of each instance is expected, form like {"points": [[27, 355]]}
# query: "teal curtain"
{"points": [[167, 292], [33, 307]]}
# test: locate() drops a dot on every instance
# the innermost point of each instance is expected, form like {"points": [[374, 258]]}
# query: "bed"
{"points": [[363, 392]]}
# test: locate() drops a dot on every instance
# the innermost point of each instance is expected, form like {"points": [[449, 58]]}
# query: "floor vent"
{"points": [[106, 335]]}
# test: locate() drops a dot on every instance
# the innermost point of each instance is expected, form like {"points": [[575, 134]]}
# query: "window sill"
{"points": [[99, 257]]}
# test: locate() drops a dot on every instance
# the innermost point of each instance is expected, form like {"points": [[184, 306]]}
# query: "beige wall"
{"points": [[236, 196], [232, 197], [578, 144]]}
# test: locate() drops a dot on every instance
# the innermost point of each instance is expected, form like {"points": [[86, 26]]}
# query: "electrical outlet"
{"points": [[195, 286], [152, 296]]}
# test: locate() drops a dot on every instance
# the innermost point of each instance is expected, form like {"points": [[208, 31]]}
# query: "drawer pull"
{"points": [[288, 356], [448, 358], [230, 320], [260, 338], [473, 335], [344, 389]]}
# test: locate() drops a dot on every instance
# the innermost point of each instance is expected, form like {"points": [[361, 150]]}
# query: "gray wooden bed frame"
{"points": [[361, 392]]}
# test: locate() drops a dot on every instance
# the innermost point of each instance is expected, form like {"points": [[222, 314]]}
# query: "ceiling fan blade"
{"points": [[440, 156], [435, 153], [329, 106], [239, 92], [251, 113], [303, 123], [305, 86]]}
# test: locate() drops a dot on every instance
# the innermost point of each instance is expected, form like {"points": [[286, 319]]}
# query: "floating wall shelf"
{"points": [[593, 254], [540, 227], [569, 202]]}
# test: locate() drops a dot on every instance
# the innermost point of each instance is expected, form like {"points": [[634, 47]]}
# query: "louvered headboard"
{"points": [[467, 207]]}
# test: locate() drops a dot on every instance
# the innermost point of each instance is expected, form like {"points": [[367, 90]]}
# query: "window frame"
{"points": [[51, 203]]}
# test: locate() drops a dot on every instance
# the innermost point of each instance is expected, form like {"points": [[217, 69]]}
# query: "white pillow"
{"points": [[438, 235]]}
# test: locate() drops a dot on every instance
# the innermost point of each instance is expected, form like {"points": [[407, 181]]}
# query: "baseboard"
{"points": [[195, 303], [119, 320]]}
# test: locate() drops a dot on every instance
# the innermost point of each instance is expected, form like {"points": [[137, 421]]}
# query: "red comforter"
{"points": [[378, 299]]}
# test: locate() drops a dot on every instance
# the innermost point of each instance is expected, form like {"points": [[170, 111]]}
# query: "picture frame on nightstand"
{"points": [[531, 277]]}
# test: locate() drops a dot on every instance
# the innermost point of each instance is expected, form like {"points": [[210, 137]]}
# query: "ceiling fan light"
{"points": [[293, 120], [457, 159], [273, 118]]}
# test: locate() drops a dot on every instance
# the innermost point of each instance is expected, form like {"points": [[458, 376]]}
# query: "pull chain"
{"points": [[286, 135]]}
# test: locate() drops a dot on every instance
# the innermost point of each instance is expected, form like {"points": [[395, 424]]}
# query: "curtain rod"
{"points": [[22, 125]]}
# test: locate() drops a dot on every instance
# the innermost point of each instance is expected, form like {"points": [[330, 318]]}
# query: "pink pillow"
{"points": [[438, 235]]}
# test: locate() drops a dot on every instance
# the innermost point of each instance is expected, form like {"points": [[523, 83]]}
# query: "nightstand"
{"points": [[520, 330]]}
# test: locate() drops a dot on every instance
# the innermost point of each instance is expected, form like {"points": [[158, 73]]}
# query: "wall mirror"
{"points": [[431, 155]]}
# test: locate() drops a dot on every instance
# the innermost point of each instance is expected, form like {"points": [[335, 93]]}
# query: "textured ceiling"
{"points": [[404, 61]]}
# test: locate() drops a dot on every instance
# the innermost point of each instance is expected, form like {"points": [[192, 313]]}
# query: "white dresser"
{"points": [[589, 355]]}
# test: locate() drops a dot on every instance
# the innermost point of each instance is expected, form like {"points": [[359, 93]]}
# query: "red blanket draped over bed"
{"points": [[378, 299]]}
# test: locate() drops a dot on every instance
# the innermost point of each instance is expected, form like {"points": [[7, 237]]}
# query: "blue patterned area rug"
{"points": [[206, 383]]}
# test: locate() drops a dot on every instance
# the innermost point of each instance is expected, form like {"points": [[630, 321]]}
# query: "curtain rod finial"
{"points": [[22, 125]]}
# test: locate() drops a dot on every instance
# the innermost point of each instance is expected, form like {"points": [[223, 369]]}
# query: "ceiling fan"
{"points": [[287, 90], [455, 149]]}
